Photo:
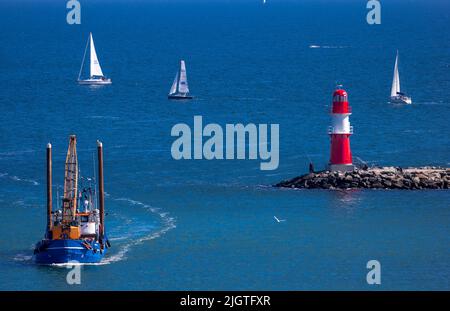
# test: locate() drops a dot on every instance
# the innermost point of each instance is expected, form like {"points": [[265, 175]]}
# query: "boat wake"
{"points": [[31, 181], [431, 103], [23, 257], [18, 179], [16, 153], [102, 117], [168, 223], [327, 46]]}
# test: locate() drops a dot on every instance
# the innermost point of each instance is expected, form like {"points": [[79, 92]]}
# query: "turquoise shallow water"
{"points": [[203, 224]]}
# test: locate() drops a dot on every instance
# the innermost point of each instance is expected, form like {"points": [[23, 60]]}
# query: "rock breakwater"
{"points": [[374, 178]]}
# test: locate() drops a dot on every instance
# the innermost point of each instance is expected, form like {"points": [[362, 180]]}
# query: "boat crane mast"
{"points": [[70, 182]]}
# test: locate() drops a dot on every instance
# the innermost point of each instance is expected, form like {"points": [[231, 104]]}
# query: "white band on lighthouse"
{"points": [[340, 124]]}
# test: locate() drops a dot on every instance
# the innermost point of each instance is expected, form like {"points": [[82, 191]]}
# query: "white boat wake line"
{"points": [[103, 117], [23, 257], [16, 153], [168, 223], [31, 181], [16, 178], [313, 46]]}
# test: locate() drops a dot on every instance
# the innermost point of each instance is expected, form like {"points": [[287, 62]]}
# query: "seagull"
{"points": [[279, 220]]}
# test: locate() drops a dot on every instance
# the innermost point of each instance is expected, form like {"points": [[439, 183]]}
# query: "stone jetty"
{"points": [[374, 178]]}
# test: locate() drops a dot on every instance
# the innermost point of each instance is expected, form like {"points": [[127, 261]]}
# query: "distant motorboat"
{"points": [[396, 95], [180, 88], [96, 76]]}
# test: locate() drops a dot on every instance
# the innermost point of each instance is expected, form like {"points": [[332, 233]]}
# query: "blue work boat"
{"points": [[76, 232]]}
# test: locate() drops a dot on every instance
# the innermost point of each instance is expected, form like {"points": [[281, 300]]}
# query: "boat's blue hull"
{"points": [[64, 251]]}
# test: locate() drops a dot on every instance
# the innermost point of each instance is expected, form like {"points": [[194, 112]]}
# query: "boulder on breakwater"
{"points": [[374, 178]]}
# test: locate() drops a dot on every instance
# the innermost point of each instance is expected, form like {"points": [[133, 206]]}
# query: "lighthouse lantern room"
{"points": [[340, 131]]}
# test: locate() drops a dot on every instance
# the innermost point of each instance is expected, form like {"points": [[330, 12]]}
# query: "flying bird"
{"points": [[279, 220]]}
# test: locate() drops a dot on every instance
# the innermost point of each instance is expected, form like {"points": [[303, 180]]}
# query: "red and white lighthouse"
{"points": [[340, 131]]}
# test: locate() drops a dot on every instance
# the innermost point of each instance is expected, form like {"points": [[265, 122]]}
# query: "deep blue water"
{"points": [[191, 225]]}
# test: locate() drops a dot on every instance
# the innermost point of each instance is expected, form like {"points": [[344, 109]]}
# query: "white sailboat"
{"points": [[180, 88], [396, 95], [96, 74]]}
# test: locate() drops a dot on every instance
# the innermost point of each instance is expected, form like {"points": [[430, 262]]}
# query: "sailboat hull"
{"points": [[49, 252], [180, 97], [95, 82], [401, 100]]}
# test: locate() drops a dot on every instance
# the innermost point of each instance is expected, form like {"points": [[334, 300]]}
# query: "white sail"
{"points": [[182, 83], [173, 89], [396, 79], [96, 70]]}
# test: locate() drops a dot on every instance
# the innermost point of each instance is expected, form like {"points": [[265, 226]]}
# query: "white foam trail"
{"points": [[34, 182], [327, 46], [15, 153], [169, 223], [19, 203], [16, 178], [429, 103], [23, 257], [103, 117], [334, 47], [122, 238]]}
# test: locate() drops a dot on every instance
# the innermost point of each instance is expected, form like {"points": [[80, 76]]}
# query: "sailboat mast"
{"points": [[84, 56]]}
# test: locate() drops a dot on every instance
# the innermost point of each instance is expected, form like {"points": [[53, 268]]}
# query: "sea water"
{"points": [[209, 224]]}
